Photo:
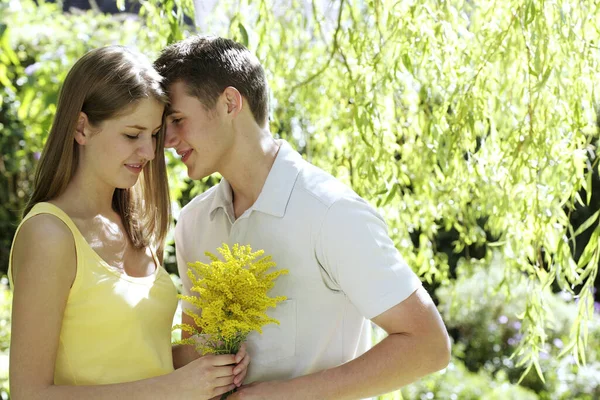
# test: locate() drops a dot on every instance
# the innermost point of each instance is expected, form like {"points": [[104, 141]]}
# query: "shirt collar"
{"points": [[223, 199], [276, 191]]}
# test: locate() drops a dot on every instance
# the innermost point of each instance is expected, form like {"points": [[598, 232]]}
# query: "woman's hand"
{"points": [[207, 377]]}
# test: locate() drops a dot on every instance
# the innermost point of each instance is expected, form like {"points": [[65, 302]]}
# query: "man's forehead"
{"points": [[179, 98], [171, 110], [178, 88]]}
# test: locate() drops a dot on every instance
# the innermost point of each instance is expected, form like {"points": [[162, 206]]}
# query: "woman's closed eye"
{"points": [[134, 137]]}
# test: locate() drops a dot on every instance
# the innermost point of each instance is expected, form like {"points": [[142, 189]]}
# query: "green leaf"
{"points": [[542, 275], [26, 103], [590, 249], [545, 77], [244, 34], [567, 349], [588, 223], [530, 12], [406, 62], [4, 78], [524, 374], [8, 50], [538, 369], [589, 187], [390, 195], [533, 71], [577, 197]]}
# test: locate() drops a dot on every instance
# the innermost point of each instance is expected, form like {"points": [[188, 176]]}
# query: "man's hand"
{"points": [[242, 359]]}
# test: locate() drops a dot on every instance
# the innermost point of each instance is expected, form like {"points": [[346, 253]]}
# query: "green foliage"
{"points": [[474, 119], [5, 318], [456, 382], [482, 316]]}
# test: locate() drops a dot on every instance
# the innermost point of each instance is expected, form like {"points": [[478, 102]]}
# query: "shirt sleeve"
{"points": [[356, 251]]}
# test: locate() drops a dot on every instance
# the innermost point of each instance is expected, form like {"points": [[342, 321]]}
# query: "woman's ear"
{"points": [[82, 131]]}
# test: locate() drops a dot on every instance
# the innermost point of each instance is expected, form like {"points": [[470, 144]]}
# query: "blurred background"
{"points": [[472, 126]]}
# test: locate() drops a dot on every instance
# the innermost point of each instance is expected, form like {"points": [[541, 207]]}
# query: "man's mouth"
{"points": [[185, 154]]}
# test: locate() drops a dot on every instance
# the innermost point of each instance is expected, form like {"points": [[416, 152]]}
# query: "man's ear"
{"points": [[233, 100], [82, 131]]}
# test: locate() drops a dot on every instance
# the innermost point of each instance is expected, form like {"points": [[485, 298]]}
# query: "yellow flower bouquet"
{"points": [[232, 298]]}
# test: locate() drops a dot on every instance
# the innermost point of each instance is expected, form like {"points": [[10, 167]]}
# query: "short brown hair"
{"points": [[209, 64]]}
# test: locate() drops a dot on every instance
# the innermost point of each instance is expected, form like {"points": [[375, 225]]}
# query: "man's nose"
{"points": [[171, 139]]}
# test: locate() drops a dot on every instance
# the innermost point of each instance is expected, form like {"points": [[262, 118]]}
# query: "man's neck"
{"points": [[249, 171]]}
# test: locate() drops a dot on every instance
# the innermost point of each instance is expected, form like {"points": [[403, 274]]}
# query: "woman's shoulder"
{"points": [[44, 244], [45, 230]]}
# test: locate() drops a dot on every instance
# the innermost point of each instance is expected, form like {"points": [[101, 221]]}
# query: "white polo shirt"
{"points": [[343, 267]]}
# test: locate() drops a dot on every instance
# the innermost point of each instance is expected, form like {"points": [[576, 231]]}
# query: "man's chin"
{"points": [[197, 175]]}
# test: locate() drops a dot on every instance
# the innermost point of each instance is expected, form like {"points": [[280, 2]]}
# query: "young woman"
{"points": [[92, 307]]}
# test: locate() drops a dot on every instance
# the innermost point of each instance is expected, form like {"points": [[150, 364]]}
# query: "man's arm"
{"points": [[417, 345], [355, 249]]}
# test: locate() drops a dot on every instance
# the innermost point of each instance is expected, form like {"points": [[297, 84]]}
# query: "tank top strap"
{"points": [[47, 208]]}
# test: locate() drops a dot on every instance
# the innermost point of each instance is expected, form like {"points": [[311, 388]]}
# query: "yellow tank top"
{"points": [[115, 328]]}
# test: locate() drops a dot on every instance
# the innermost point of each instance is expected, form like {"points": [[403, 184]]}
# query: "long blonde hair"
{"points": [[102, 84]]}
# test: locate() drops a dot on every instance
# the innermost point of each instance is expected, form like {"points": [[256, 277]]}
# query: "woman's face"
{"points": [[119, 148]]}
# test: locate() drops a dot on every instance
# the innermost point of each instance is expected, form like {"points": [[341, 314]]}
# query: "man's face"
{"points": [[200, 136]]}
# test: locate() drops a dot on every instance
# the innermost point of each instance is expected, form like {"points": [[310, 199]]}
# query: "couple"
{"points": [[93, 307]]}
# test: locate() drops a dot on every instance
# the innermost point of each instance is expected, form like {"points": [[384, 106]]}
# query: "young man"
{"points": [[343, 267]]}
